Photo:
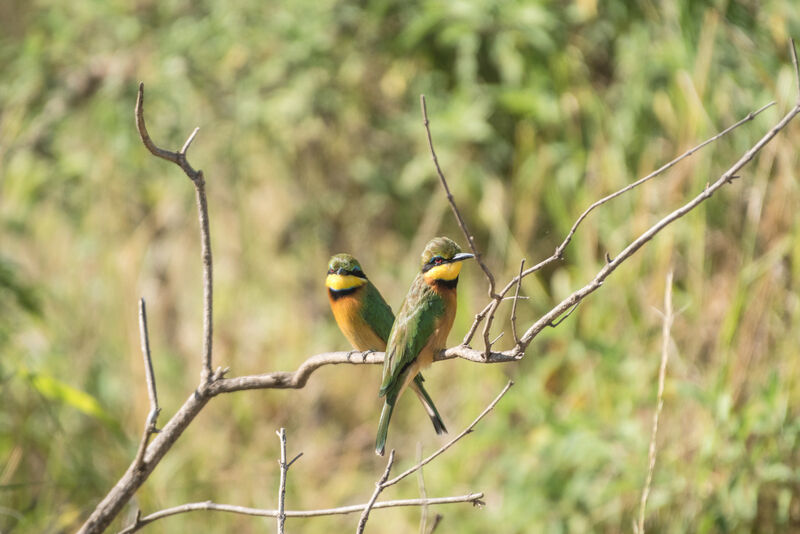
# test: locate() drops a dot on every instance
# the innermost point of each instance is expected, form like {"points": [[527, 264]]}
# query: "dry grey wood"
{"points": [[514, 306], [461, 223], [152, 417], [666, 326], [436, 520], [282, 486], [379, 485], [198, 179], [474, 498], [491, 308], [450, 443], [423, 516], [284, 466], [726, 178]]}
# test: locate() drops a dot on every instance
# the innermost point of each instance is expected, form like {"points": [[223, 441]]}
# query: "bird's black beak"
{"points": [[461, 256]]}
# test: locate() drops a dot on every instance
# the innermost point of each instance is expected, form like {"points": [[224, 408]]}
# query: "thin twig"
{"points": [[474, 498], [564, 317], [514, 305], [450, 443], [662, 371], [383, 483], [639, 242], [796, 65], [152, 417], [491, 307], [282, 487], [423, 519], [451, 200], [750, 116], [379, 486], [436, 520], [197, 178]]}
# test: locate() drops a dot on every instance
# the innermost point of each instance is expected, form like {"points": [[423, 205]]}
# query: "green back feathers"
{"points": [[376, 313], [413, 327]]}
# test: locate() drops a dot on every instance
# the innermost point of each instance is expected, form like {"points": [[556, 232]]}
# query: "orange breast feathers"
{"points": [[347, 312]]}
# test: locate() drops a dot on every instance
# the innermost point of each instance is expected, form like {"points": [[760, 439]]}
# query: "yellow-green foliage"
{"points": [[312, 144]]}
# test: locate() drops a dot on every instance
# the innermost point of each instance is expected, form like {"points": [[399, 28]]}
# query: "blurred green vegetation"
{"points": [[312, 144]]}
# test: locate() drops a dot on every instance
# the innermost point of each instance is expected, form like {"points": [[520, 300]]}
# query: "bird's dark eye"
{"points": [[331, 270], [437, 260]]}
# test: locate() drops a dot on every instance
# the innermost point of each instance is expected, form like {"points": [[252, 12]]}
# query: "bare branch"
{"points": [[750, 116], [152, 417], [299, 378], [423, 519], [196, 176], [564, 317], [436, 520], [282, 486], [491, 307], [451, 200], [611, 266], [474, 498], [450, 443], [379, 486], [189, 140], [662, 371], [796, 65], [514, 305]]}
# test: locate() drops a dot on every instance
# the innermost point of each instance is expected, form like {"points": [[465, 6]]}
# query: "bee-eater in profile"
{"points": [[365, 319], [420, 329]]}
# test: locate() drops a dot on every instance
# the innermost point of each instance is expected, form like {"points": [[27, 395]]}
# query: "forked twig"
{"points": [[491, 307], [197, 178], [450, 443], [152, 417], [514, 305], [451, 200], [379, 486], [474, 498]]}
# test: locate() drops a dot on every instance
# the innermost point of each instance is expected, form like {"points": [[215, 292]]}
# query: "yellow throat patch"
{"points": [[447, 271], [339, 282]]}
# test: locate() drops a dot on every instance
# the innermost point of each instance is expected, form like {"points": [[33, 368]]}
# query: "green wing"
{"points": [[377, 314], [413, 327]]}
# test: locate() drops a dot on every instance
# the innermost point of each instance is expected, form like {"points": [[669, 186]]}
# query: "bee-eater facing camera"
{"points": [[421, 327], [365, 319]]}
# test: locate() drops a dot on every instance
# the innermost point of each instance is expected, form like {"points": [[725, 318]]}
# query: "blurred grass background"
{"points": [[312, 144]]}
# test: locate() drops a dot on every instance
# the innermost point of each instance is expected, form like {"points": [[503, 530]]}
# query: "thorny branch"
{"points": [[213, 383]]}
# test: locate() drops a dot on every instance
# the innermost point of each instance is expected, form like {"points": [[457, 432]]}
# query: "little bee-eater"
{"points": [[365, 319], [420, 329]]}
